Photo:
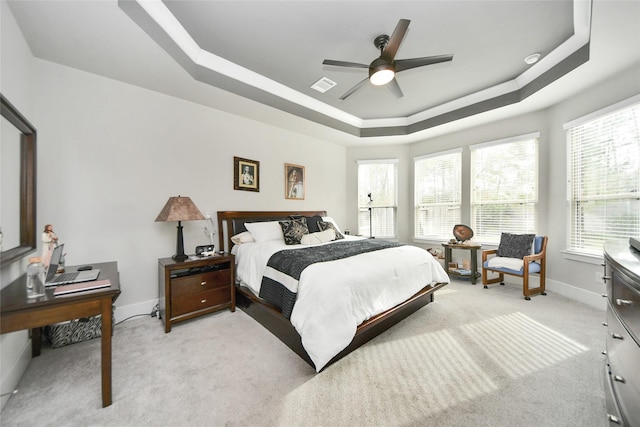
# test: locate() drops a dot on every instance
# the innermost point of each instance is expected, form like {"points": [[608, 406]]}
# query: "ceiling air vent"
{"points": [[323, 85]]}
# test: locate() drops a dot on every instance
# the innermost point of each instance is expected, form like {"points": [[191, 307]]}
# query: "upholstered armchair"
{"points": [[535, 263]]}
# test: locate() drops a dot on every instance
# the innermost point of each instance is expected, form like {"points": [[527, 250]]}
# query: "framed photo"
{"points": [[294, 182], [246, 174]]}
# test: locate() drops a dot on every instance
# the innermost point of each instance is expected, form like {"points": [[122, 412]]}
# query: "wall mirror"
{"points": [[17, 184]]}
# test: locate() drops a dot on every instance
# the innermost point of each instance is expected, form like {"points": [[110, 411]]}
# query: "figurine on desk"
{"points": [[49, 242]]}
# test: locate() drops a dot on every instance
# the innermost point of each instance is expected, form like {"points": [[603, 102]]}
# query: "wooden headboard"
{"points": [[231, 223]]}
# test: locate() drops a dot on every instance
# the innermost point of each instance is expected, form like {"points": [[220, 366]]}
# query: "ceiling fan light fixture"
{"points": [[381, 75]]}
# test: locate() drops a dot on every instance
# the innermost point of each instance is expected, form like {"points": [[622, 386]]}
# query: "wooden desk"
{"points": [[19, 312], [474, 260]]}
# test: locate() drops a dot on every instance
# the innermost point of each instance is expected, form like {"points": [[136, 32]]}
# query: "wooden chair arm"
{"points": [[488, 252], [531, 258]]}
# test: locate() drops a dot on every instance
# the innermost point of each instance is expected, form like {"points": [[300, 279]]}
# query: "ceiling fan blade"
{"points": [[407, 64], [390, 50], [394, 87], [344, 64], [353, 89]]}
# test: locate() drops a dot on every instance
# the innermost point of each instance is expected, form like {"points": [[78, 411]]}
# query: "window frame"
{"points": [[530, 220], [375, 205], [456, 203], [591, 246]]}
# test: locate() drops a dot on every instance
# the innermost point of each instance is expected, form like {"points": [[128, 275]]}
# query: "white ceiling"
{"points": [[259, 58]]}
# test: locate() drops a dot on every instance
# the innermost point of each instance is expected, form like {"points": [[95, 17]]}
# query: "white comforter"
{"points": [[368, 285]]}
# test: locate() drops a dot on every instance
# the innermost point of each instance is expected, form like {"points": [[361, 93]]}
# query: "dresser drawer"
{"points": [[191, 285], [626, 303], [613, 413], [204, 299], [623, 355]]}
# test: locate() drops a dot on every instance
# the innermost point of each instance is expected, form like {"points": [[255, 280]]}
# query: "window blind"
{"points": [[378, 178], [438, 188], [504, 188], [603, 179]]}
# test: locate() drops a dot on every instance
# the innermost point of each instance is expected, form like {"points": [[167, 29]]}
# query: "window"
{"points": [[377, 200], [438, 186], [603, 177], [504, 187]]}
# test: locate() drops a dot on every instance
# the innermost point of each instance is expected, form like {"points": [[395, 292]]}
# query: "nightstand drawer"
{"points": [[191, 285], [192, 288], [210, 298]]}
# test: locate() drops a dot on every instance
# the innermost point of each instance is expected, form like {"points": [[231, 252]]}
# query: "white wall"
{"points": [[574, 278], [111, 154], [16, 86]]}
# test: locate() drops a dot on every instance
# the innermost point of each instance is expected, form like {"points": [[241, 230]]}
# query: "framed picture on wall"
{"points": [[294, 182], [246, 174]]}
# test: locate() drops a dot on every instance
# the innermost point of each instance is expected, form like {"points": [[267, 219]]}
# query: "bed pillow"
{"points": [[312, 223], [265, 231], [319, 237], [332, 221], [324, 226], [244, 237], [293, 230], [515, 245]]}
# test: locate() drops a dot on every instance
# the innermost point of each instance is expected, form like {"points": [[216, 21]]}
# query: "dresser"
{"points": [[622, 362], [195, 287]]}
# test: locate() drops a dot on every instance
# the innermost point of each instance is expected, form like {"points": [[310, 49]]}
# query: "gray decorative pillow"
{"points": [[293, 230], [324, 226], [515, 245]]}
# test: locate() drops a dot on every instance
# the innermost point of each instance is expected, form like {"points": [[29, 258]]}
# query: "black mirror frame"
{"points": [[27, 184]]}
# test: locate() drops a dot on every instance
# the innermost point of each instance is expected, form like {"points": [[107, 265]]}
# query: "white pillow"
{"points": [[244, 237], [331, 220], [265, 231], [319, 237]]}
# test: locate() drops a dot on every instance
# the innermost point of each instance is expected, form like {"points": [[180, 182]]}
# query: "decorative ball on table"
{"points": [[462, 233]]}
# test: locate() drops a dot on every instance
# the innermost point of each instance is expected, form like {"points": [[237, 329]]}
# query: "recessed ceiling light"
{"points": [[532, 59]]}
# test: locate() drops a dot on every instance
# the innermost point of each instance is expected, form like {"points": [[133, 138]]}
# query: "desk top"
{"points": [[14, 296], [461, 246]]}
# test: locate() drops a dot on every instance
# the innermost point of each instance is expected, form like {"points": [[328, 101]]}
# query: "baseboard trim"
{"points": [[12, 375], [592, 299], [127, 311]]}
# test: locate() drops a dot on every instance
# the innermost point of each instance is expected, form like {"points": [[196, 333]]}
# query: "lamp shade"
{"points": [[179, 209]]}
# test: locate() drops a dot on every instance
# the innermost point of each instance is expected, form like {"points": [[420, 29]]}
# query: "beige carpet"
{"points": [[475, 357]]}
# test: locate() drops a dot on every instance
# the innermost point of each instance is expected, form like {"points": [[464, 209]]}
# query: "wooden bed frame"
{"points": [[231, 223]]}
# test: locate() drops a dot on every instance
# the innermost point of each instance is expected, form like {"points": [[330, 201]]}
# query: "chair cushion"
{"points": [[534, 267], [515, 245]]}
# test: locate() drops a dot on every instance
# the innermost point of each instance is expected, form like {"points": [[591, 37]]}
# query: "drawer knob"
{"points": [[605, 278], [203, 283], [613, 418], [616, 336], [618, 378], [604, 295], [605, 324], [623, 301], [203, 301]]}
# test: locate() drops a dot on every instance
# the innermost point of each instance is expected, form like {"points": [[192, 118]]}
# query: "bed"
{"points": [[384, 285]]}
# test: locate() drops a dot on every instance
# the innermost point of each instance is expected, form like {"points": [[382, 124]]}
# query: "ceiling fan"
{"points": [[382, 70]]}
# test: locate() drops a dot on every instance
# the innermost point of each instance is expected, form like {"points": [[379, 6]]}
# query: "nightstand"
{"points": [[195, 287]]}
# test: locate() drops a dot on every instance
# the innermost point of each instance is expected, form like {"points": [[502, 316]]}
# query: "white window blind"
{"points": [[438, 187], [603, 185], [504, 187], [378, 178]]}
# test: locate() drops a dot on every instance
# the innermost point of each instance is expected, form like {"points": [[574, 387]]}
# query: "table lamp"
{"points": [[179, 209]]}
